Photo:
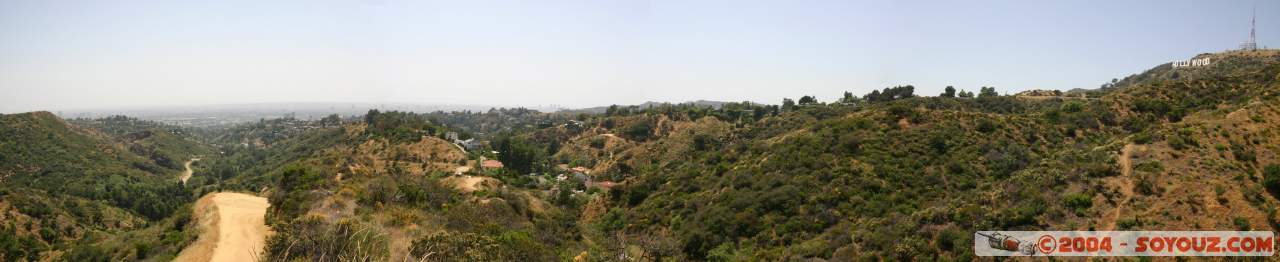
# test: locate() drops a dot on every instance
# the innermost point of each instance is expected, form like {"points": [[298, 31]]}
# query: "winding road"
{"points": [[186, 174]]}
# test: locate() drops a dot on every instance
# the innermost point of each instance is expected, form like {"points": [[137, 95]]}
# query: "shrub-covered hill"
{"points": [[65, 187], [890, 175], [836, 181], [383, 188], [1205, 144], [1232, 79], [166, 145], [913, 177]]}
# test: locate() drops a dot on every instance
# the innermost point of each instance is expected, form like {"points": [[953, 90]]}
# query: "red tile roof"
{"points": [[491, 164]]}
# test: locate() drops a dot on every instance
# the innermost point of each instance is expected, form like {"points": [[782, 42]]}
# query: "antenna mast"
{"points": [[1252, 44]]}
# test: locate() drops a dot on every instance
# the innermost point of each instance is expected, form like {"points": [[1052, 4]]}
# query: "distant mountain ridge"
{"points": [[602, 109]]}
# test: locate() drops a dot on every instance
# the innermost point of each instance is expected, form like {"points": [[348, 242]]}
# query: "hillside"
{"points": [[888, 175], [382, 189], [166, 145], [67, 187], [1167, 149], [1205, 144]]}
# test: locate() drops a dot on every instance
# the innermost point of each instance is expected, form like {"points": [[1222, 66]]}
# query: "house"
{"points": [[451, 136], [491, 164], [470, 143], [580, 170]]}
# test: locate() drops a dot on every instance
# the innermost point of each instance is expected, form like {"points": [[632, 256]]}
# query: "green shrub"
{"points": [[1149, 167], [1128, 223], [312, 239], [1025, 213], [86, 253], [455, 246], [1142, 138], [1072, 107], [1243, 154], [703, 142], [639, 130], [954, 240], [1241, 223], [986, 126], [14, 247], [1177, 142], [1078, 202], [1146, 186], [1100, 170], [1271, 179]]}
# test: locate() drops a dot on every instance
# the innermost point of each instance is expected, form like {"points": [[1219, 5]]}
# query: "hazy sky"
{"points": [[83, 54]]}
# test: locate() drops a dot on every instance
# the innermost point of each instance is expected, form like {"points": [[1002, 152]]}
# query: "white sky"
{"points": [[57, 55]]}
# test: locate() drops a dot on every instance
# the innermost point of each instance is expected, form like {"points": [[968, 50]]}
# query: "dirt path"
{"points": [[468, 184], [1126, 186], [186, 174], [234, 228]]}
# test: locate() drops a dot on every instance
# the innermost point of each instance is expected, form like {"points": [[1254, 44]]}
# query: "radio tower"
{"points": [[1253, 24]]}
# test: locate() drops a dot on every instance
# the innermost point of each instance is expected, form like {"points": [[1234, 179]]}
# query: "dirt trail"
{"points": [[1126, 186], [234, 228], [186, 174], [468, 184]]}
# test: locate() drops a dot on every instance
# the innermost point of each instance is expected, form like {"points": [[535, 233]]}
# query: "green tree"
{"points": [[891, 93], [950, 92], [988, 92], [848, 98], [788, 104], [808, 100], [612, 110], [371, 116], [517, 154]]}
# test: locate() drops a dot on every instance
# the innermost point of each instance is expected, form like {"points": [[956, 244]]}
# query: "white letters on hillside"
{"points": [[1192, 62]]}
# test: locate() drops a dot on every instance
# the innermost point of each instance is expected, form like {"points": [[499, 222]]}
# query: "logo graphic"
{"points": [[1124, 243], [1009, 243]]}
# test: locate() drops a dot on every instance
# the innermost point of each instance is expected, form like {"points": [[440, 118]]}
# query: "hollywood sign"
{"points": [[1192, 62]]}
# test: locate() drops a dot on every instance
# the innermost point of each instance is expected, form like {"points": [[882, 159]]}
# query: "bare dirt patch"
{"points": [[468, 184], [234, 228]]}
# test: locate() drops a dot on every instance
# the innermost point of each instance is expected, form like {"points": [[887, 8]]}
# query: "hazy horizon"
{"points": [[79, 55]]}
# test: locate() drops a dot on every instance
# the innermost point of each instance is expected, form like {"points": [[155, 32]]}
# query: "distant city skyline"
{"points": [[77, 55]]}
